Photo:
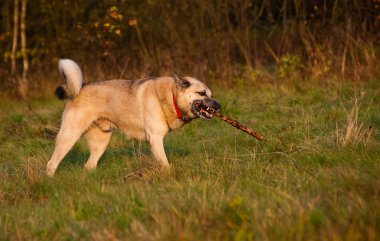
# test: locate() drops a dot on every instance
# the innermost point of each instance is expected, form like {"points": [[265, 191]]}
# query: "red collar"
{"points": [[179, 114]]}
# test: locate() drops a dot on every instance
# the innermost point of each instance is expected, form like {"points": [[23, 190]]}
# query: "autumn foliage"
{"points": [[233, 42]]}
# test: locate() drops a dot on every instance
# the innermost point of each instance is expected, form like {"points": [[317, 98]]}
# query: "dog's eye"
{"points": [[203, 93]]}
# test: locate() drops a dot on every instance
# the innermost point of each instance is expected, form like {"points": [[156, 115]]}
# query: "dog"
{"points": [[145, 109]]}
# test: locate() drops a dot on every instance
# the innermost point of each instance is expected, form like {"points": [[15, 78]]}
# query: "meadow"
{"points": [[315, 177]]}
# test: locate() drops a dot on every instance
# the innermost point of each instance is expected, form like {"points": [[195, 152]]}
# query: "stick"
{"points": [[234, 123], [239, 126]]}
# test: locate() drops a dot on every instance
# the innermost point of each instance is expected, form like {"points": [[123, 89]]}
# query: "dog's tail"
{"points": [[73, 79]]}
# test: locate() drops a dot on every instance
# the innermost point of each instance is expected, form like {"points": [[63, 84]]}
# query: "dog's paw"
{"points": [[50, 170], [164, 169], [90, 166]]}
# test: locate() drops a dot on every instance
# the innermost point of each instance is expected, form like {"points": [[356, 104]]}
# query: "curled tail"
{"points": [[73, 79]]}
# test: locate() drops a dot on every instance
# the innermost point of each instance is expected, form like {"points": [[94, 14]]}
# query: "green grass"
{"points": [[309, 180]]}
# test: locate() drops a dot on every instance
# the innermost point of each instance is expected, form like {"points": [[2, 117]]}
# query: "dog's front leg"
{"points": [[157, 147]]}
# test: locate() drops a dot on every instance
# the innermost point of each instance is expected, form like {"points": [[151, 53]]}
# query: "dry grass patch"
{"points": [[354, 131]]}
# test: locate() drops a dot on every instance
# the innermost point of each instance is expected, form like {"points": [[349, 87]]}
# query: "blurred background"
{"points": [[226, 42], [303, 73]]}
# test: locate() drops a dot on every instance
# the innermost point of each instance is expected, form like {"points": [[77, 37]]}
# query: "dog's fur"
{"points": [[143, 109]]}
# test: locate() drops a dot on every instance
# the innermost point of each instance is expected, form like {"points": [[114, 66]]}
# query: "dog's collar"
{"points": [[179, 114]]}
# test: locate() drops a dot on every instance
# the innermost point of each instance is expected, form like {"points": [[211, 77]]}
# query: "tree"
{"points": [[19, 27], [15, 41], [23, 82]]}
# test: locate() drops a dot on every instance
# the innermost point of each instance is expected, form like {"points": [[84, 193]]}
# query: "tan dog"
{"points": [[145, 109]]}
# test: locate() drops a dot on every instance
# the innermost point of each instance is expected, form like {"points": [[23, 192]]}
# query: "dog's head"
{"points": [[191, 94]]}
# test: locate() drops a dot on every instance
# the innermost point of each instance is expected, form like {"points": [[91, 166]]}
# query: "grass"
{"points": [[315, 177]]}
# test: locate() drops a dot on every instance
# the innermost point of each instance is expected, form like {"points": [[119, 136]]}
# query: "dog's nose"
{"points": [[216, 105], [211, 103]]}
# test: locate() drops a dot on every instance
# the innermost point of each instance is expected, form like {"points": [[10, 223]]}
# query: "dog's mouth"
{"points": [[203, 109]]}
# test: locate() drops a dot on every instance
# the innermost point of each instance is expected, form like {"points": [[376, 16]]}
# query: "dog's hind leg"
{"points": [[74, 123], [97, 141]]}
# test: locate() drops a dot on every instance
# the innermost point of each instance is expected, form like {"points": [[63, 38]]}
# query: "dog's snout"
{"points": [[216, 105], [211, 103]]}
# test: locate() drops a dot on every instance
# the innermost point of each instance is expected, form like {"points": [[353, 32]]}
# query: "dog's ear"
{"points": [[180, 81]]}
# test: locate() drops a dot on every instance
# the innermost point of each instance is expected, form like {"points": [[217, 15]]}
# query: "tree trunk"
{"points": [[14, 44], [347, 45], [23, 82]]}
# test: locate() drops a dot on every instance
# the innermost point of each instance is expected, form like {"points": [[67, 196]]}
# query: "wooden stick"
{"points": [[234, 123], [239, 126]]}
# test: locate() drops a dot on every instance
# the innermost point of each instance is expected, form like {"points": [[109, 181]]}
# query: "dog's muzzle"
{"points": [[209, 103]]}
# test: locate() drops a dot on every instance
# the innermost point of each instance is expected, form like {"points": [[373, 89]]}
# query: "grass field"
{"points": [[315, 177]]}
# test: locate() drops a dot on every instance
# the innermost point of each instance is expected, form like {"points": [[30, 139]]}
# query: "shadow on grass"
{"points": [[78, 156], [75, 157]]}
